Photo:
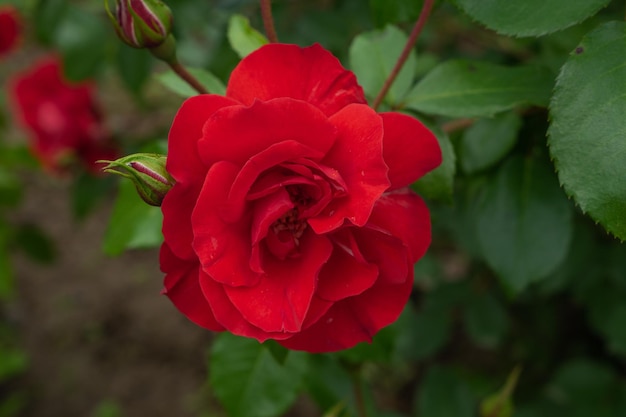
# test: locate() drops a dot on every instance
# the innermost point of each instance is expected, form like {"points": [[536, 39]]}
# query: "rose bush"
{"points": [[62, 118], [291, 218], [9, 29]]}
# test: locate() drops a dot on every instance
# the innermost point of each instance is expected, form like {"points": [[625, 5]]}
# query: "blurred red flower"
{"points": [[10, 28], [62, 118], [291, 218]]}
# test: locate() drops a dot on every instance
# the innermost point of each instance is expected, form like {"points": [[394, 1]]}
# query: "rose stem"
{"points": [[268, 20], [457, 124], [417, 29], [182, 72]]}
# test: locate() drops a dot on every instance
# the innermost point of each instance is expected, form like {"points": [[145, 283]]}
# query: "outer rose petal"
{"points": [[223, 249], [403, 214], [280, 301], [183, 162], [409, 148], [310, 74], [353, 320], [358, 156], [236, 134], [183, 289], [177, 207]]}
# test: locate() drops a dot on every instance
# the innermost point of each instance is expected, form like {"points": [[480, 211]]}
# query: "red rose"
{"points": [[9, 29], [62, 118], [291, 218]]}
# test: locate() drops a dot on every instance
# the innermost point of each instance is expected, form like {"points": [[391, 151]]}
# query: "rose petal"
{"points": [[222, 248], [177, 207], [238, 133], [403, 214], [228, 316], [353, 320], [358, 156], [386, 251], [266, 211], [310, 74], [183, 288], [409, 148], [183, 162], [280, 301]]}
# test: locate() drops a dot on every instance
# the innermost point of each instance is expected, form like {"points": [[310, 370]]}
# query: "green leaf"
{"points": [[460, 88], [88, 191], [530, 17], [588, 130], [373, 56], [12, 363], [249, 381], [47, 19], [487, 141], [486, 320], [443, 394], [177, 85], [394, 11], [422, 334], [242, 37], [82, 39], [439, 183], [134, 66], [328, 383], [32, 240], [524, 224], [133, 223]]}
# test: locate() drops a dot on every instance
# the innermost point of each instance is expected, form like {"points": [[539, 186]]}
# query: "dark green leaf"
{"points": [[586, 136], [487, 141], [47, 18], [33, 241], [395, 11], [478, 89], [327, 382], [133, 223], [486, 320], [525, 223], [174, 83], [443, 394], [134, 66], [438, 184], [249, 381], [373, 56], [422, 334], [10, 188], [88, 191], [12, 363], [530, 17], [244, 38]]}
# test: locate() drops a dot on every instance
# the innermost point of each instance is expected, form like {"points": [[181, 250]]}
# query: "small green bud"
{"points": [[141, 23], [147, 172]]}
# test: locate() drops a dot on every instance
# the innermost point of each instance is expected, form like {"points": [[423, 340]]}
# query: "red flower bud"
{"points": [[141, 23], [147, 172]]}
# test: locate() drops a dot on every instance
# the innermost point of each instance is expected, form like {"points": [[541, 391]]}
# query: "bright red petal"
{"points": [[183, 289], [403, 214], [310, 74], [223, 248], [177, 207], [409, 148], [281, 300], [358, 156], [236, 134], [183, 162]]}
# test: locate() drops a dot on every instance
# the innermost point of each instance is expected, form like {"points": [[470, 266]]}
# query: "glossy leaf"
{"points": [[487, 141], [525, 223], [373, 56], [242, 37], [461, 88], [248, 380], [175, 84], [530, 17], [586, 136]]}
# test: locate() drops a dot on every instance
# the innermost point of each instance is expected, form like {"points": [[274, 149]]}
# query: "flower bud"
{"points": [[147, 172], [141, 23]]}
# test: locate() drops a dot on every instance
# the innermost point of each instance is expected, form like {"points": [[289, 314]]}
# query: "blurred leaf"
{"points": [[421, 334], [47, 19], [443, 394], [586, 136], [530, 17], [12, 363], [133, 223], [248, 380], [379, 350], [87, 191], [33, 241], [134, 66], [244, 38], [477, 89], [175, 84], [328, 383], [525, 223], [500, 404], [10, 188], [486, 320], [487, 141], [107, 409], [439, 183], [372, 58], [81, 38], [394, 11]]}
